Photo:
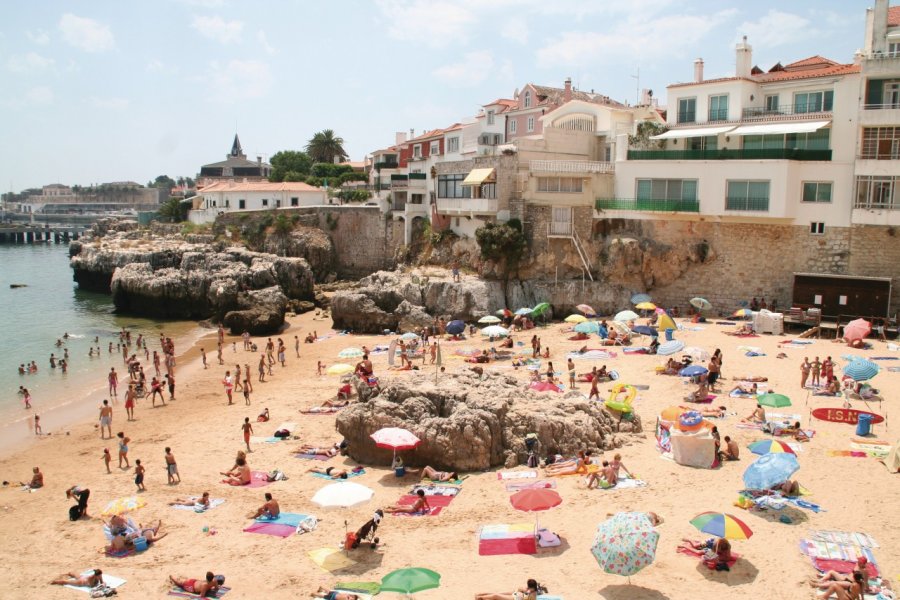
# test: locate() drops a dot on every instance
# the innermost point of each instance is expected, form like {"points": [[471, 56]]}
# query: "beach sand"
{"points": [[204, 433]]}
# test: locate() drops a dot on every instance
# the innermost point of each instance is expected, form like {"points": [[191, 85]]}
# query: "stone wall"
{"points": [[546, 254]]}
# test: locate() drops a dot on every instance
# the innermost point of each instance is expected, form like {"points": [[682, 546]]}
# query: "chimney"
{"points": [[743, 59], [646, 95], [412, 133], [399, 137], [567, 94], [698, 70], [879, 26]]}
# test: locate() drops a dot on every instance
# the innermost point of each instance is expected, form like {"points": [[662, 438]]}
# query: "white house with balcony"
{"points": [[772, 146], [229, 196]]}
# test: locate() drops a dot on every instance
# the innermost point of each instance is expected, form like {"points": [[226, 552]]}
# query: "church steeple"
{"points": [[236, 150]]}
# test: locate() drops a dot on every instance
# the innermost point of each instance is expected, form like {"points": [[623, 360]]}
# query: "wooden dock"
{"points": [[40, 233]]}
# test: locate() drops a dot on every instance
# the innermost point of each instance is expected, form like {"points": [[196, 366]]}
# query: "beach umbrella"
{"points": [[856, 330], [411, 580], [504, 312], [535, 500], [339, 369], [588, 327], [861, 369], [408, 336], [621, 327], [742, 312], [696, 353], [575, 319], [586, 309], [664, 321], [773, 400], [543, 386], [645, 306], [488, 320], [671, 413], [645, 330], [540, 309], [638, 298], [523, 311], [770, 447], [342, 495], [455, 327], [625, 544], [351, 353], [670, 347], [495, 331], [700, 303], [693, 371], [123, 505], [769, 470], [395, 438], [722, 525], [626, 315]]}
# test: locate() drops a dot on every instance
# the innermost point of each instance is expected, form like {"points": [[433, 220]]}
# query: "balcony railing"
{"points": [[560, 228], [784, 111], [748, 204], [737, 154], [886, 106], [688, 116], [386, 165], [719, 114], [647, 205], [877, 205], [467, 205], [572, 166]]}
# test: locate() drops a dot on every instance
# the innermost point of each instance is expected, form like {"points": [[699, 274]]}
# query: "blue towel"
{"points": [[292, 519], [349, 475]]}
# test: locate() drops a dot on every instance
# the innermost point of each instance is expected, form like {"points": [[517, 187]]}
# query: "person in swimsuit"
{"points": [[435, 475], [123, 450], [93, 579], [129, 401], [105, 419], [263, 416], [420, 505], [248, 431], [209, 587], [269, 510], [37, 479], [332, 472], [529, 592], [327, 594], [329, 452], [240, 475], [201, 502]]}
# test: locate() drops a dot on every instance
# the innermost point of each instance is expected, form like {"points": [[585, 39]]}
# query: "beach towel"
{"points": [[180, 593], [213, 502], [330, 559], [848, 453], [361, 587], [457, 481], [291, 519], [894, 369], [752, 354], [709, 563], [531, 485], [883, 358], [546, 597], [854, 538], [843, 566], [110, 581], [433, 501], [261, 439], [350, 475], [624, 484], [507, 475], [120, 554], [591, 354], [325, 410], [636, 350], [436, 490], [271, 528], [725, 322], [431, 512], [507, 539], [818, 549], [311, 456]]}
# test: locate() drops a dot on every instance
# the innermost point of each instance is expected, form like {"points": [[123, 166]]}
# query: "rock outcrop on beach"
{"points": [[469, 423], [167, 276]]}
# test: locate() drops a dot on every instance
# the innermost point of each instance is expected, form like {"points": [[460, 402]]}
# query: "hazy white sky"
{"points": [[109, 90]]}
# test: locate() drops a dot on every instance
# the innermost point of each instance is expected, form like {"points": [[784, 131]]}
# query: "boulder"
{"points": [[263, 312], [470, 423]]}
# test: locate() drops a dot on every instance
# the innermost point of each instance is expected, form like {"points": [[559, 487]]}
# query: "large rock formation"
{"points": [[469, 423]]}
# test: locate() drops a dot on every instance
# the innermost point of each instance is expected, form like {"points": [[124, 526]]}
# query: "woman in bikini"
{"points": [[435, 475], [91, 580], [567, 467], [332, 472], [123, 449], [529, 592], [420, 505]]}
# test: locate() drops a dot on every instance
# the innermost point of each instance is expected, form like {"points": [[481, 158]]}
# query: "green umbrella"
{"points": [[411, 580], [773, 400], [540, 309]]}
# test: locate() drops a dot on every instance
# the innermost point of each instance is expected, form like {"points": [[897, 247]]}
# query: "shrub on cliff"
{"points": [[502, 242]]}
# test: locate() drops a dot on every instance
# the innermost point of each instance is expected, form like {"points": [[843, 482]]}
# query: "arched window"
{"points": [[528, 99]]}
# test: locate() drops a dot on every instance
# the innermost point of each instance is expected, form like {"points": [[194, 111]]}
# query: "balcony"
{"points": [[737, 154], [386, 165], [571, 166], [647, 205], [416, 158], [796, 111], [463, 206], [747, 204]]}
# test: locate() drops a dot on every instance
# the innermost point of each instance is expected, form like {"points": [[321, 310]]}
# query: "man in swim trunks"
{"points": [[93, 579], [207, 588], [37, 479], [329, 452], [269, 510], [332, 472], [106, 419], [113, 381]]}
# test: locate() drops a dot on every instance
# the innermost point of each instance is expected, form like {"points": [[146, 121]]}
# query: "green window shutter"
{"points": [[644, 188], [809, 192], [874, 91], [828, 102], [824, 192], [689, 190]]}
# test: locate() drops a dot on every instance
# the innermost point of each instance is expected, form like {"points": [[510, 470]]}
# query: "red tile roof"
{"points": [[502, 102], [808, 68], [893, 16], [258, 186], [811, 63]]}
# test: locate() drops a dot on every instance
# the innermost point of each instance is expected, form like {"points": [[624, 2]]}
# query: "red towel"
{"points": [[842, 566], [433, 501], [525, 545]]}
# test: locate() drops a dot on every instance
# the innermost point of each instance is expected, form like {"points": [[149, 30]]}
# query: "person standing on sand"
{"points": [[156, 388], [238, 386], [129, 402], [139, 476], [246, 337], [171, 381], [156, 361], [172, 467], [123, 450], [281, 352], [297, 346], [804, 371], [219, 353], [229, 386], [248, 431], [106, 419], [247, 389], [571, 366], [816, 370], [203, 356], [37, 425], [26, 397], [113, 382], [106, 459]]}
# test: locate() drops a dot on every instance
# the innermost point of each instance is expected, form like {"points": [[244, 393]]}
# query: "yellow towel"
{"points": [[330, 559]]}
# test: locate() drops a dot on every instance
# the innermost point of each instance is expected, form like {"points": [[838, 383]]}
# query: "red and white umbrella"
{"points": [[535, 500], [857, 330], [395, 438]]}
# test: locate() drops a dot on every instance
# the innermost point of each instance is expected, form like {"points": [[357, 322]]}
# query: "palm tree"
{"points": [[324, 146]]}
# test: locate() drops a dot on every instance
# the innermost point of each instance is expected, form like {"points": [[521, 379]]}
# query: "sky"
{"points": [[105, 90]]}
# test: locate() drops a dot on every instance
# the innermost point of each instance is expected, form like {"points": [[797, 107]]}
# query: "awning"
{"points": [[780, 128], [675, 134], [478, 176]]}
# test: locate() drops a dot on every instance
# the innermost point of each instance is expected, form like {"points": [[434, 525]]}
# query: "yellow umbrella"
{"points": [[645, 306], [665, 322], [339, 369], [123, 505], [576, 319]]}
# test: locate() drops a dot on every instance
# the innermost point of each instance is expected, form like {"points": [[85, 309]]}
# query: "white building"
{"points": [[226, 196], [766, 147]]}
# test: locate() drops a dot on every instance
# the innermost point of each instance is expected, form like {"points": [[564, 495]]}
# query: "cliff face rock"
{"points": [[467, 423], [306, 242], [645, 264]]}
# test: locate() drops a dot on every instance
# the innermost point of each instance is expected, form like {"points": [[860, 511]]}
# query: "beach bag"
{"points": [[532, 461], [103, 591], [75, 513], [276, 475]]}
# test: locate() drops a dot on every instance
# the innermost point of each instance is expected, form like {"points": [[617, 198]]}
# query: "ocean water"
{"points": [[33, 318]]}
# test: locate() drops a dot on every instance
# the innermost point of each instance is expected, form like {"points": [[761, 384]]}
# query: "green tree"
{"points": [[290, 161], [174, 210], [330, 170], [163, 182], [645, 130], [502, 242], [325, 145]]}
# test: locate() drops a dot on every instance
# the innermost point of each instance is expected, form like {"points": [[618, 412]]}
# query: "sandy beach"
{"points": [[858, 494]]}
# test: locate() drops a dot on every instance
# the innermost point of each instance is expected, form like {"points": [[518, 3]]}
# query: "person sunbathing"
{"points": [[843, 579], [529, 592], [91, 580], [606, 477], [507, 343], [263, 416], [743, 388], [841, 592], [319, 450], [239, 476], [671, 368], [334, 595], [566, 467], [731, 451], [787, 488], [241, 454], [37, 480], [701, 393], [420, 505], [757, 416], [201, 502], [435, 475], [118, 525], [269, 509], [332, 472], [208, 587], [718, 549], [750, 378], [716, 413]]}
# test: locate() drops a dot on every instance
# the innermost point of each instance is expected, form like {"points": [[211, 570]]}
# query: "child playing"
{"points": [[139, 475], [107, 458], [320, 367], [37, 425], [203, 355], [248, 431]]}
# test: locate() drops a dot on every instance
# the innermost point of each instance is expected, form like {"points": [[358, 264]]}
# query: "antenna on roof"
{"points": [[637, 86]]}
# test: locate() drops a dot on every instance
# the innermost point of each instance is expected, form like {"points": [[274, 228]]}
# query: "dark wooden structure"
{"points": [[839, 295]]}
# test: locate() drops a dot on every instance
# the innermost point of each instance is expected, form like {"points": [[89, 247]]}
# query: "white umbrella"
{"points": [[626, 315], [696, 353], [342, 495], [351, 353], [489, 320], [495, 330]]}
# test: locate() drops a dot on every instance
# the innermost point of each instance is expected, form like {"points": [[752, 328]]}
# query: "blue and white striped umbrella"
{"points": [[588, 327], [524, 311], [861, 369], [769, 470], [638, 298], [670, 347]]}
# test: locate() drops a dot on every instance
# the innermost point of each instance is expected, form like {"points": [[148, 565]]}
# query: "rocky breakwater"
{"points": [[171, 277], [469, 423]]}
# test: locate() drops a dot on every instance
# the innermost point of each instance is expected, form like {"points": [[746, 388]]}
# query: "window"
{"points": [[453, 144], [811, 102], [772, 103], [718, 108], [417, 151], [497, 138], [265, 201], [816, 191], [527, 103], [417, 199], [748, 195], [667, 189], [530, 124], [881, 143], [490, 117], [295, 201], [278, 203], [894, 50], [450, 186], [488, 190], [563, 185], [814, 140], [816, 228], [877, 192], [512, 125], [708, 142], [227, 204], [891, 94], [435, 148], [242, 204], [687, 110]]}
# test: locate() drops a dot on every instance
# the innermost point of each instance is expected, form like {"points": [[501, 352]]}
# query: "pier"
{"points": [[40, 234]]}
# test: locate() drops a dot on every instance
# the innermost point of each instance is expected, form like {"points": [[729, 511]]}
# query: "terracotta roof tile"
{"points": [[258, 186], [893, 16], [808, 68], [812, 61], [502, 102]]}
